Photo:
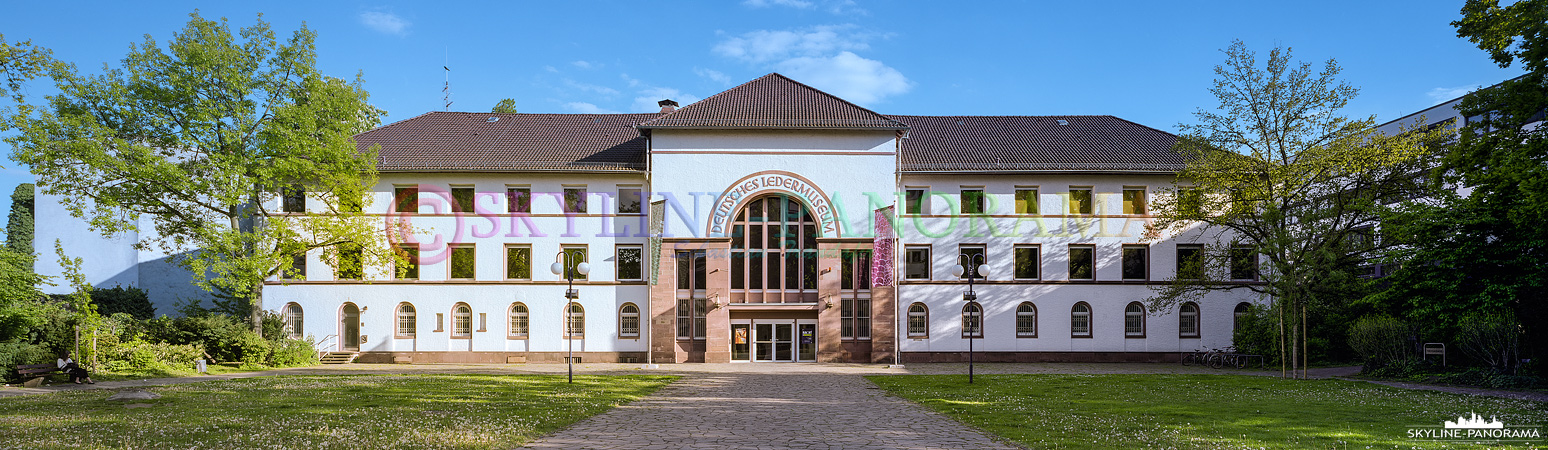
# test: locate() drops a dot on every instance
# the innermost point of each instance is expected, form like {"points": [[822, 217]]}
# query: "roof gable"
{"points": [[773, 101]]}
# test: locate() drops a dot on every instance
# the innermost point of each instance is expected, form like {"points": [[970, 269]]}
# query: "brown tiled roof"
{"points": [[1034, 143], [773, 101], [459, 141]]}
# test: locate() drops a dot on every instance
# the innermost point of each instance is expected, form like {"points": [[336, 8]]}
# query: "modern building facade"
{"points": [[771, 222]]}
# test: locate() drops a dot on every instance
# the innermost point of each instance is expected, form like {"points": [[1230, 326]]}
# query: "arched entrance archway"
{"points": [[349, 327]]}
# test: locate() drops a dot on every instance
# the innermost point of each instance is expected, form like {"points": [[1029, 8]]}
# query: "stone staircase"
{"points": [[339, 357]]}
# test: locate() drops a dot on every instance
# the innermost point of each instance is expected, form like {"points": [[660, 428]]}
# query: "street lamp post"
{"points": [[977, 270], [563, 265]]}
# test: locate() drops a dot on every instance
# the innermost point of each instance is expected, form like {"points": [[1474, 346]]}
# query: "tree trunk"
{"points": [[1282, 361], [1305, 344], [256, 309]]}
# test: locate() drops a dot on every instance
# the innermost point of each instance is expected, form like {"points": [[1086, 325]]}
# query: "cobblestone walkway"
{"points": [[770, 411]]}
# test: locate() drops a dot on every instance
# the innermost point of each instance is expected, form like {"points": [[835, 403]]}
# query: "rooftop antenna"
{"points": [[446, 88]]}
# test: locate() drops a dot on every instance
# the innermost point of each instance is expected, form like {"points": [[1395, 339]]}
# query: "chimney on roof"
{"points": [[667, 106]]}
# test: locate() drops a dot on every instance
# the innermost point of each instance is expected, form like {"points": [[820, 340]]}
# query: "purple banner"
{"points": [[881, 253]]}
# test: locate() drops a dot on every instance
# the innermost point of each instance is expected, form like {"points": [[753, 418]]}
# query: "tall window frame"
{"points": [[409, 252], [1082, 200], [629, 262], [916, 200], [1026, 320], [405, 199], [575, 321], [916, 262], [293, 200], [1244, 263], [855, 295], [518, 198], [974, 200], [463, 197], [1188, 320], [969, 254], [1080, 320], [518, 321], [1190, 261], [692, 302], [351, 265], [1242, 309], [774, 251], [972, 321], [297, 269], [1135, 262], [629, 321], [1026, 200], [573, 200], [295, 320], [1135, 202], [1029, 261], [918, 321], [518, 262], [1082, 262], [577, 253], [462, 264], [1134, 320], [630, 199], [462, 321], [407, 321]]}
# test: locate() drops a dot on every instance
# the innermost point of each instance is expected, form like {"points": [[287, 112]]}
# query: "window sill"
{"points": [[1080, 336], [463, 336], [516, 338], [1133, 336], [1195, 336], [1026, 336], [404, 336]]}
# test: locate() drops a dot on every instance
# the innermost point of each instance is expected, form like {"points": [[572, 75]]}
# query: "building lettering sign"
{"points": [[795, 185]]}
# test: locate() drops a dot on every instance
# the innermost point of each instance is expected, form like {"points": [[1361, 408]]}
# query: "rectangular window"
{"points": [[518, 262], [629, 200], [1136, 262], [293, 200], [1080, 201], [1082, 262], [406, 199], [518, 199], [1026, 200], [406, 264], [440, 322], [1134, 201], [1028, 262], [297, 267], [1244, 263], [972, 200], [914, 200], [576, 254], [575, 200], [464, 262], [350, 265], [629, 262], [462, 198], [972, 256], [855, 318], [692, 305], [1190, 262], [916, 263]]}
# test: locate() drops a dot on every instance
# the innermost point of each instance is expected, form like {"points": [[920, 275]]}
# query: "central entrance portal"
{"points": [[774, 340]]}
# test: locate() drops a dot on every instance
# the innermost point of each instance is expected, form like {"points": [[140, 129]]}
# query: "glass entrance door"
{"points": [[806, 342], [763, 342], [741, 342], [773, 340]]}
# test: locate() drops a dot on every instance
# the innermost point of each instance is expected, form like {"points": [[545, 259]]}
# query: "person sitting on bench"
{"points": [[77, 374]]}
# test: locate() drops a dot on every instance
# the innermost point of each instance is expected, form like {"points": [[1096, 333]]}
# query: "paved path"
{"points": [[774, 411]]}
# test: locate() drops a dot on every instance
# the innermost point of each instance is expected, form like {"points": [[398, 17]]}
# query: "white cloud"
{"points": [[550, 69], [713, 75], [823, 57], [587, 108], [1442, 94], [847, 75], [384, 22], [633, 82], [586, 64], [769, 45], [592, 88]]}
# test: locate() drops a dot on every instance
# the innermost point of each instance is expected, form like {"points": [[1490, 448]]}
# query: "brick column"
{"points": [[717, 340], [884, 323], [663, 310], [829, 346]]}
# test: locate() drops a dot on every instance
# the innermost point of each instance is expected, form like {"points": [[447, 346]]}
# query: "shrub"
{"points": [[14, 354], [292, 353], [1382, 341], [1256, 334], [225, 338], [119, 299], [1491, 338], [137, 355]]}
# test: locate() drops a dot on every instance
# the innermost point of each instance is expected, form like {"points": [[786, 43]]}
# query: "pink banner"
{"points": [[881, 254]]}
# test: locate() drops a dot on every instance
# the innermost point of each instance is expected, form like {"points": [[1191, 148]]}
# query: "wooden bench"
{"points": [[35, 374]]}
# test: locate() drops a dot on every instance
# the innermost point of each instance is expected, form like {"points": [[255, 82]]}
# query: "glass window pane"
{"points": [[629, 263], [1135, 263], [738, 270], [916, 263], [1081, 263], [792, 271], [755, 270], [518, 263], [628, 201], [809, 272], [684, 264], [755, 235], [755, 211], [774, 265], [1080, 201], [847, 269], [699, 277], [809, 236], [518, 200], [736, 235], [1133, 201], [913, 201], [1027, 263], [1026, 201]]}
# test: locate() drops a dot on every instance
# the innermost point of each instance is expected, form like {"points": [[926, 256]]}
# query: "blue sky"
{"points": [[1148, 62]]}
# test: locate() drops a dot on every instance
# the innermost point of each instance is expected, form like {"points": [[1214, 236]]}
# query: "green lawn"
{"points": [[1201, 411], [356, 411]]}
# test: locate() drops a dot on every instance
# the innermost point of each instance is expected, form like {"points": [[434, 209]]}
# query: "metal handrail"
{"points": [[325, 339]]}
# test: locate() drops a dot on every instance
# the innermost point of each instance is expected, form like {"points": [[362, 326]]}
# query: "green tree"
{"points": [[1486, 250], [1275, 174], [506, 106], [19, 228], [20, 62], [202, 136]]}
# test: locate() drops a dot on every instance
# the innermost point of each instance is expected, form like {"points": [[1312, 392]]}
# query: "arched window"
{"points": [[1242, 310], [918, 321], [293, 320], [1188, 320], [1134, 320], [407, 322], [1026, 320], [575, 317], [774, 252], [518, 318], [1080, 320], [972, 321], [462, 320], [629, 320]]}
